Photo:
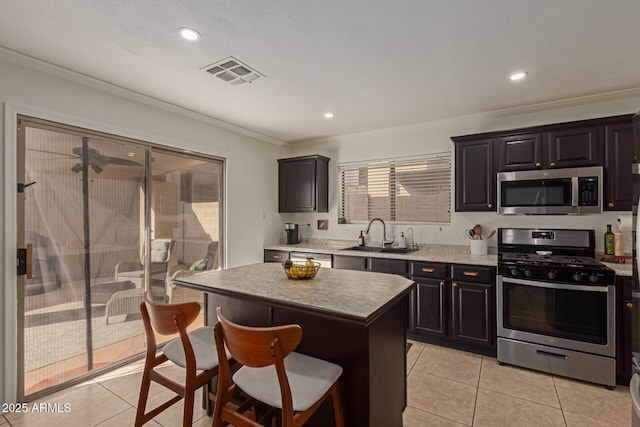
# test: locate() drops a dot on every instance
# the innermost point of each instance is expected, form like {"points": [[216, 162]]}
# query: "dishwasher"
{"points": [[325, 260]]}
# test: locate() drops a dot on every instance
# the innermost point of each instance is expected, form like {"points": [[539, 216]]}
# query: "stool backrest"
{"points": [[253, 346], [165, 318]]}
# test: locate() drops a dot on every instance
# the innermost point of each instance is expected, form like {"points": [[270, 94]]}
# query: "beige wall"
{"points": [[37, 89], [430, 137]]}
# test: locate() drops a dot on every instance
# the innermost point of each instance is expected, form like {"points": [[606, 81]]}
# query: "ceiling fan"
{"points": [[96, 160]]}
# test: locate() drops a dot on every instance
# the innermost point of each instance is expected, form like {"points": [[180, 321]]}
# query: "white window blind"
{"points": [[416, 189]]}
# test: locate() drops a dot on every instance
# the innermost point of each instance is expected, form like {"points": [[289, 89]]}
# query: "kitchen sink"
{"points": [[380, 249]]}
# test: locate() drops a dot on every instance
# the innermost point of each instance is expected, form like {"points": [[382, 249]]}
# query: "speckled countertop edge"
{"points": [[352, 295], [454, 254]]}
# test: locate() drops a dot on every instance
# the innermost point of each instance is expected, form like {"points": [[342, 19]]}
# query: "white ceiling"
{"points": [[374, 63]]}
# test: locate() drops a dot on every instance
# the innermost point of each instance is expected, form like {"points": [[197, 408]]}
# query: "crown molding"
{"points": [[36, 64]]}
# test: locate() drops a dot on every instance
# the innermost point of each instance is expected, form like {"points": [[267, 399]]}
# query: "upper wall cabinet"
{"points": [[556, 148], [303, 184], [519, 152], [617, 169], [475, 176], [575, 146], [604, 142]]}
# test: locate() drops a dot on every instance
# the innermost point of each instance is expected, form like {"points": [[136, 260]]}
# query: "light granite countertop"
{"points": [[625, 269], [353, 295], [453, 254]]}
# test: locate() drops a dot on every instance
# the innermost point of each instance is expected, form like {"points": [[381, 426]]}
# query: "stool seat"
{"points": [[203, 345], [291, 385], [194, 351], [309, 379]]}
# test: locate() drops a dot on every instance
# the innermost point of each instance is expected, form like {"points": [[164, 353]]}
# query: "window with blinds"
{"points": [[416, 189]]}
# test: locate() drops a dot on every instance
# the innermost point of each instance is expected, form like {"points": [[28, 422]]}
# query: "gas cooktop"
{"points": [[551, 255], [537, 259]]}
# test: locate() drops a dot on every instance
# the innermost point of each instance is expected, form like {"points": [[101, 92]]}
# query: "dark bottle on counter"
{"points": [[609, 239], [361, 239]]}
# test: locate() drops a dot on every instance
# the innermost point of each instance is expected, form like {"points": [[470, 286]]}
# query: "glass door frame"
{"points": [[20, 281]]}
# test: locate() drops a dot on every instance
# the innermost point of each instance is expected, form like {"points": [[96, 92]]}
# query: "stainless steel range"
{"points": [[555, 304]]}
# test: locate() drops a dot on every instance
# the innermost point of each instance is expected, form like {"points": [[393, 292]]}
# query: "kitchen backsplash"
{"points": [[453, 233]]}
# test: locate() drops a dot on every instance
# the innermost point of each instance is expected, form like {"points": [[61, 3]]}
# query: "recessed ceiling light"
{"points": [[328, 115], [189, 33], [131, 154], [518, 76]]}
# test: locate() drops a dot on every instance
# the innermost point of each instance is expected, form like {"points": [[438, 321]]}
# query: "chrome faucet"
{"points": [[385, 242], [414, 245]]}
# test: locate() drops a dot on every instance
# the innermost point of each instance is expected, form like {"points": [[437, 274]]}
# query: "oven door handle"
{"points": [[556, 285]]}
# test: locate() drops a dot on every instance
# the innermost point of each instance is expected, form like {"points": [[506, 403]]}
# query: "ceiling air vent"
{"points": [[233, 71]]}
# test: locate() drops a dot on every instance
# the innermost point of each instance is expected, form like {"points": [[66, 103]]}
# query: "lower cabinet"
{"points": [[473, 314], [624, 308], [453, 304], [456, 304], [431, 311]]}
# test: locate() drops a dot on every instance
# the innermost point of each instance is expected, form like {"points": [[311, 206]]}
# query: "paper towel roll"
{"points": [[625, 223]]}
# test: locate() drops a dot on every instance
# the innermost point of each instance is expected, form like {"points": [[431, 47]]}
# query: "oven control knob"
{"points": [[528, 273], [577, 277], [593, 278], [552, 275], [513, 271]]}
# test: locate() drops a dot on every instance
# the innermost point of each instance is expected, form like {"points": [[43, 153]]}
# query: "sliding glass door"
{"points": [[103, 219], [186, 197]]}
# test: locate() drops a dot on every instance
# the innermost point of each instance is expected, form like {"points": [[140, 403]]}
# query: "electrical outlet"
{"points": [[345, 229]]}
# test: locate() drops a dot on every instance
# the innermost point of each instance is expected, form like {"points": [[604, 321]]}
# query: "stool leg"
{"points": [[187, 417], [142, 400], [337, 405]]}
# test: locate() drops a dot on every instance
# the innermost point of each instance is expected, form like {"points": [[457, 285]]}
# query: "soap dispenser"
{"points": [[361, 239], [402, 242]]}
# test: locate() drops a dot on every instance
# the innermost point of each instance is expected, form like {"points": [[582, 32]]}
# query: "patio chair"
{"points": [[161, 258], [176, 294]]}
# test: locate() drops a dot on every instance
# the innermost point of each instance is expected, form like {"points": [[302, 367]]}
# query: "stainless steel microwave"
{"points": [[551, 192]]}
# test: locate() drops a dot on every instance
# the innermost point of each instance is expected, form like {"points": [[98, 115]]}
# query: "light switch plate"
{"points": [[323, 224]]}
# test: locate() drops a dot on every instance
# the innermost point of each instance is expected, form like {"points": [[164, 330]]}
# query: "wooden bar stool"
{"points": [[271, 373], [194, 351]]}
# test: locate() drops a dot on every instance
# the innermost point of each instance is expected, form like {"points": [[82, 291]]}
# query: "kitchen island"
{"points": [[352, 318]]}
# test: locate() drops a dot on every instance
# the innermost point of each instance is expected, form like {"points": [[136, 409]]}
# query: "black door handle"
{"points": [[22, 186]]}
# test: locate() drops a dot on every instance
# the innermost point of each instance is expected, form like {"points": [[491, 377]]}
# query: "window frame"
{"points": [[427, 174]]}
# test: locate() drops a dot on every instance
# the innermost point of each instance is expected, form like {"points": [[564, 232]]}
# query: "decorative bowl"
{"points": [[300, 270]]}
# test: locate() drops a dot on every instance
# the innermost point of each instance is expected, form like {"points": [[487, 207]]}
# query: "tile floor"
{"points": [[452, 388], [445, 388]]}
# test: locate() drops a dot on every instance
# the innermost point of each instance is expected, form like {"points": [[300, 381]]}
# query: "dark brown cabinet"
{"points": [[575, 146], [607, 142], [303, 184], [519, 152], [475, 176], [624, 309], [473, 305], [617, 171], [456, 306], [431, 299], [559, 148], [472, 311]]}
